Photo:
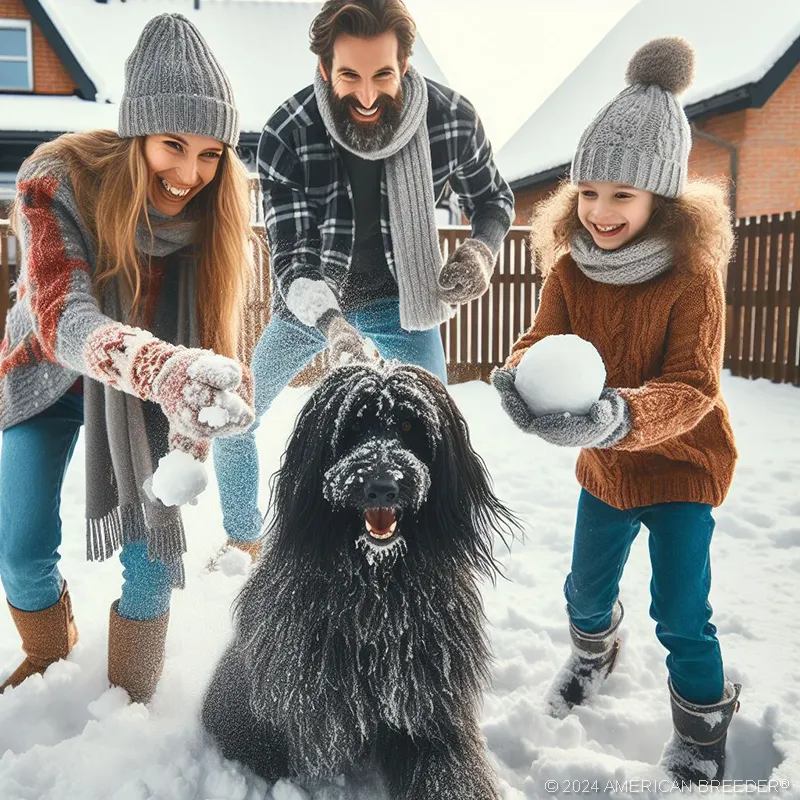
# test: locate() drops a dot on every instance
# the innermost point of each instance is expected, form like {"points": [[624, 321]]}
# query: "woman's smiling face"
{"points": [[180, 166]]}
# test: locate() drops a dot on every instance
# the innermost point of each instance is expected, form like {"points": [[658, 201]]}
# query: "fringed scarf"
{"points": [[125, 436]]}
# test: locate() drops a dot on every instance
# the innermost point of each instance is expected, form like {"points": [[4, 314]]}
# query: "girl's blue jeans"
{"points": [[680, 537], [283, 350], [34, 458]]}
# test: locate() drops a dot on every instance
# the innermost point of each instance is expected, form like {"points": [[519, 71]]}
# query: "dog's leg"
{"points": [[240, 736], [451, 766]]}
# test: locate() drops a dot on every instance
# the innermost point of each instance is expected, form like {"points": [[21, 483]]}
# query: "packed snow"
{"points": [[560, 374], [67, 736], [214, 416], [179, 478]]}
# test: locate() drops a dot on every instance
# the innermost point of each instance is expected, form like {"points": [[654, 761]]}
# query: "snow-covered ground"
{"points": [[69, 737]]}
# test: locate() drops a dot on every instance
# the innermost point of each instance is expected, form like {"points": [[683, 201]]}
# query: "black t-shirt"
{"points": [[369, 278]]}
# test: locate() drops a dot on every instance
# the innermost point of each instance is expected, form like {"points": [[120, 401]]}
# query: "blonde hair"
{"points": [[697, 224], [110, 179]]}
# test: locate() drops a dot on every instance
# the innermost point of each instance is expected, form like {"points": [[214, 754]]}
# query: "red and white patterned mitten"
{"points": [[197, 389]]}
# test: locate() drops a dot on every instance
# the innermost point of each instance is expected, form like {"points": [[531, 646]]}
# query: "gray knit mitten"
{"points": [[607, 422], [345, 343], [466, 274]]}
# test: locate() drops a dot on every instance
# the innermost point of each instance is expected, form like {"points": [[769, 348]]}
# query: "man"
{"points": [[350, 169]]}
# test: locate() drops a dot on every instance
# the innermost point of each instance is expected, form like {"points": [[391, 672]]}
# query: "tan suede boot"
{"points": [[47, 636], [136, 653]]}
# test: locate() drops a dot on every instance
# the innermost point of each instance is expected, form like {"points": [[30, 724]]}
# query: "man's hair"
{"points": [[365, 19]]}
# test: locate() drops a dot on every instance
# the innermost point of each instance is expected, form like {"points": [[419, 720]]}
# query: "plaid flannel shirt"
{"points": [[308, 205]]}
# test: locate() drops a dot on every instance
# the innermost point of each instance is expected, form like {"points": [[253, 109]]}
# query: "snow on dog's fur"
{"points": [[360, 639]]}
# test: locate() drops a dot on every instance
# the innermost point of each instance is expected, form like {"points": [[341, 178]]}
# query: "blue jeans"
{"points": [[283, 350], [33, 461], [680, 537]]}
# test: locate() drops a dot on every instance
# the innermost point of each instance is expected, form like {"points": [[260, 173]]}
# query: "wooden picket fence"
{"points": [[763, 299], [763, 296]]}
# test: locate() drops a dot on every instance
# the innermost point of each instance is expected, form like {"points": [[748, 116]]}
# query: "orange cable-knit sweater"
{"points": [[662, 344]]}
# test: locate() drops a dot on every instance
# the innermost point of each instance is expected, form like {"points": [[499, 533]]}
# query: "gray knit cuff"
{"points": [[192, 114], [646, 171], [491, 230]]}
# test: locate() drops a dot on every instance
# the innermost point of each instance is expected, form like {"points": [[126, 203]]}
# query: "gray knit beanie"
{"points": [[174, 84], [642, 136]]}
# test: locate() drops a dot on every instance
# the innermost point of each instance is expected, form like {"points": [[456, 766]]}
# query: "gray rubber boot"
{"points": [[590, 663], [696, 750]]}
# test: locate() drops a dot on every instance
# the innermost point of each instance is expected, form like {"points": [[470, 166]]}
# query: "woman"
{"points": [[135, 256]]}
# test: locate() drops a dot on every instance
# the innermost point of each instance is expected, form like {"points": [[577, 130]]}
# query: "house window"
{"points": [[16, 61]]}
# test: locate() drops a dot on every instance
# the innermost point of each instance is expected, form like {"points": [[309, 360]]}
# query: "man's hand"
{"points": [[345, 344], [466, 274]]}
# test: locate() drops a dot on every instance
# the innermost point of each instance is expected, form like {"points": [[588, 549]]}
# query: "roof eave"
{"points": [[85, 84], [27, 137], [540, 178]]}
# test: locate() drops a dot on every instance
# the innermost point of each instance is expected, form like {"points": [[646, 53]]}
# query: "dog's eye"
{"points": [[356, 426], [406, 425]]}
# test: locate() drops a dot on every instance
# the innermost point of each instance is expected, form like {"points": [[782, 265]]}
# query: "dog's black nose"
{"points": [[381, 491]]}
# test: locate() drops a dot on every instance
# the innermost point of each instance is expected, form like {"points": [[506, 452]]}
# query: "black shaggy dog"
{"points": [[360, 638]]}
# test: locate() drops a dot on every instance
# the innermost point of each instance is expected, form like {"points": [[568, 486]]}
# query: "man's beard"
{"points": [[366, 137]]}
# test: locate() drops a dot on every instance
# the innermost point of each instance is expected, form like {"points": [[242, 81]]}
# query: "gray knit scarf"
{"points": [[412, 206], [125, 436], [636, 262]]}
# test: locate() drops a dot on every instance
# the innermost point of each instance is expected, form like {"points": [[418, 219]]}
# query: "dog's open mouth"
{"points": [[381, 523]]}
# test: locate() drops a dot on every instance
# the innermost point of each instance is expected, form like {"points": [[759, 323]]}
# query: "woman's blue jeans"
{"points": [[680, 536], [283, 350], [34, 458]]}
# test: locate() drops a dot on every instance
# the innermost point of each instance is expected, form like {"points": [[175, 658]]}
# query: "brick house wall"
{"points": [[49, 74], [527, 199], [768, 140]]}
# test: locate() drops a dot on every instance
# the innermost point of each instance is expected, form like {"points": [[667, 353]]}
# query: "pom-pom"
{"points": [[666, 62]]}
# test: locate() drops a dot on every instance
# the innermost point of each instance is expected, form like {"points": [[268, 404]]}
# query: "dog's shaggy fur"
{"points": [[360, 638]]}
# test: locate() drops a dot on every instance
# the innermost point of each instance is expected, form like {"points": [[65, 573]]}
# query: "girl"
{"points": [[634, 257], [135, 254]]}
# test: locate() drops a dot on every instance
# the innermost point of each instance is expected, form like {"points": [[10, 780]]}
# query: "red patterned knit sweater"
{"points": [[662, 344]]}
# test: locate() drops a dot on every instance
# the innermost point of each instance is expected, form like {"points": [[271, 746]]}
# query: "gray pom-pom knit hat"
{"points": [[642, 137], [174, 84]]}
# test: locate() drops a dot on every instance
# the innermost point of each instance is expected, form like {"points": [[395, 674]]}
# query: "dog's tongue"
{"points": [[380, 519]]}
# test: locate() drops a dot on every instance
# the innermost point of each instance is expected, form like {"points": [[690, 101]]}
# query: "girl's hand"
{"points": [[513, 404], [607, 422]]}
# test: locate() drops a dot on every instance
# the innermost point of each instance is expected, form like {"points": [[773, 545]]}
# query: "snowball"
{"points": [[179, 478], [214, 416], [561, 374], [286, 790], [234, 561]]}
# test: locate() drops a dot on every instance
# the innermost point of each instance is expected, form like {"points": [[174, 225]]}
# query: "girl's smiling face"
{"points": [[180, 166], [613, 213]]}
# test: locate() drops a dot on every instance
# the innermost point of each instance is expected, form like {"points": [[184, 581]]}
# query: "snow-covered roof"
{"points": [[736, 43], [261, 44], [32, 112]]}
